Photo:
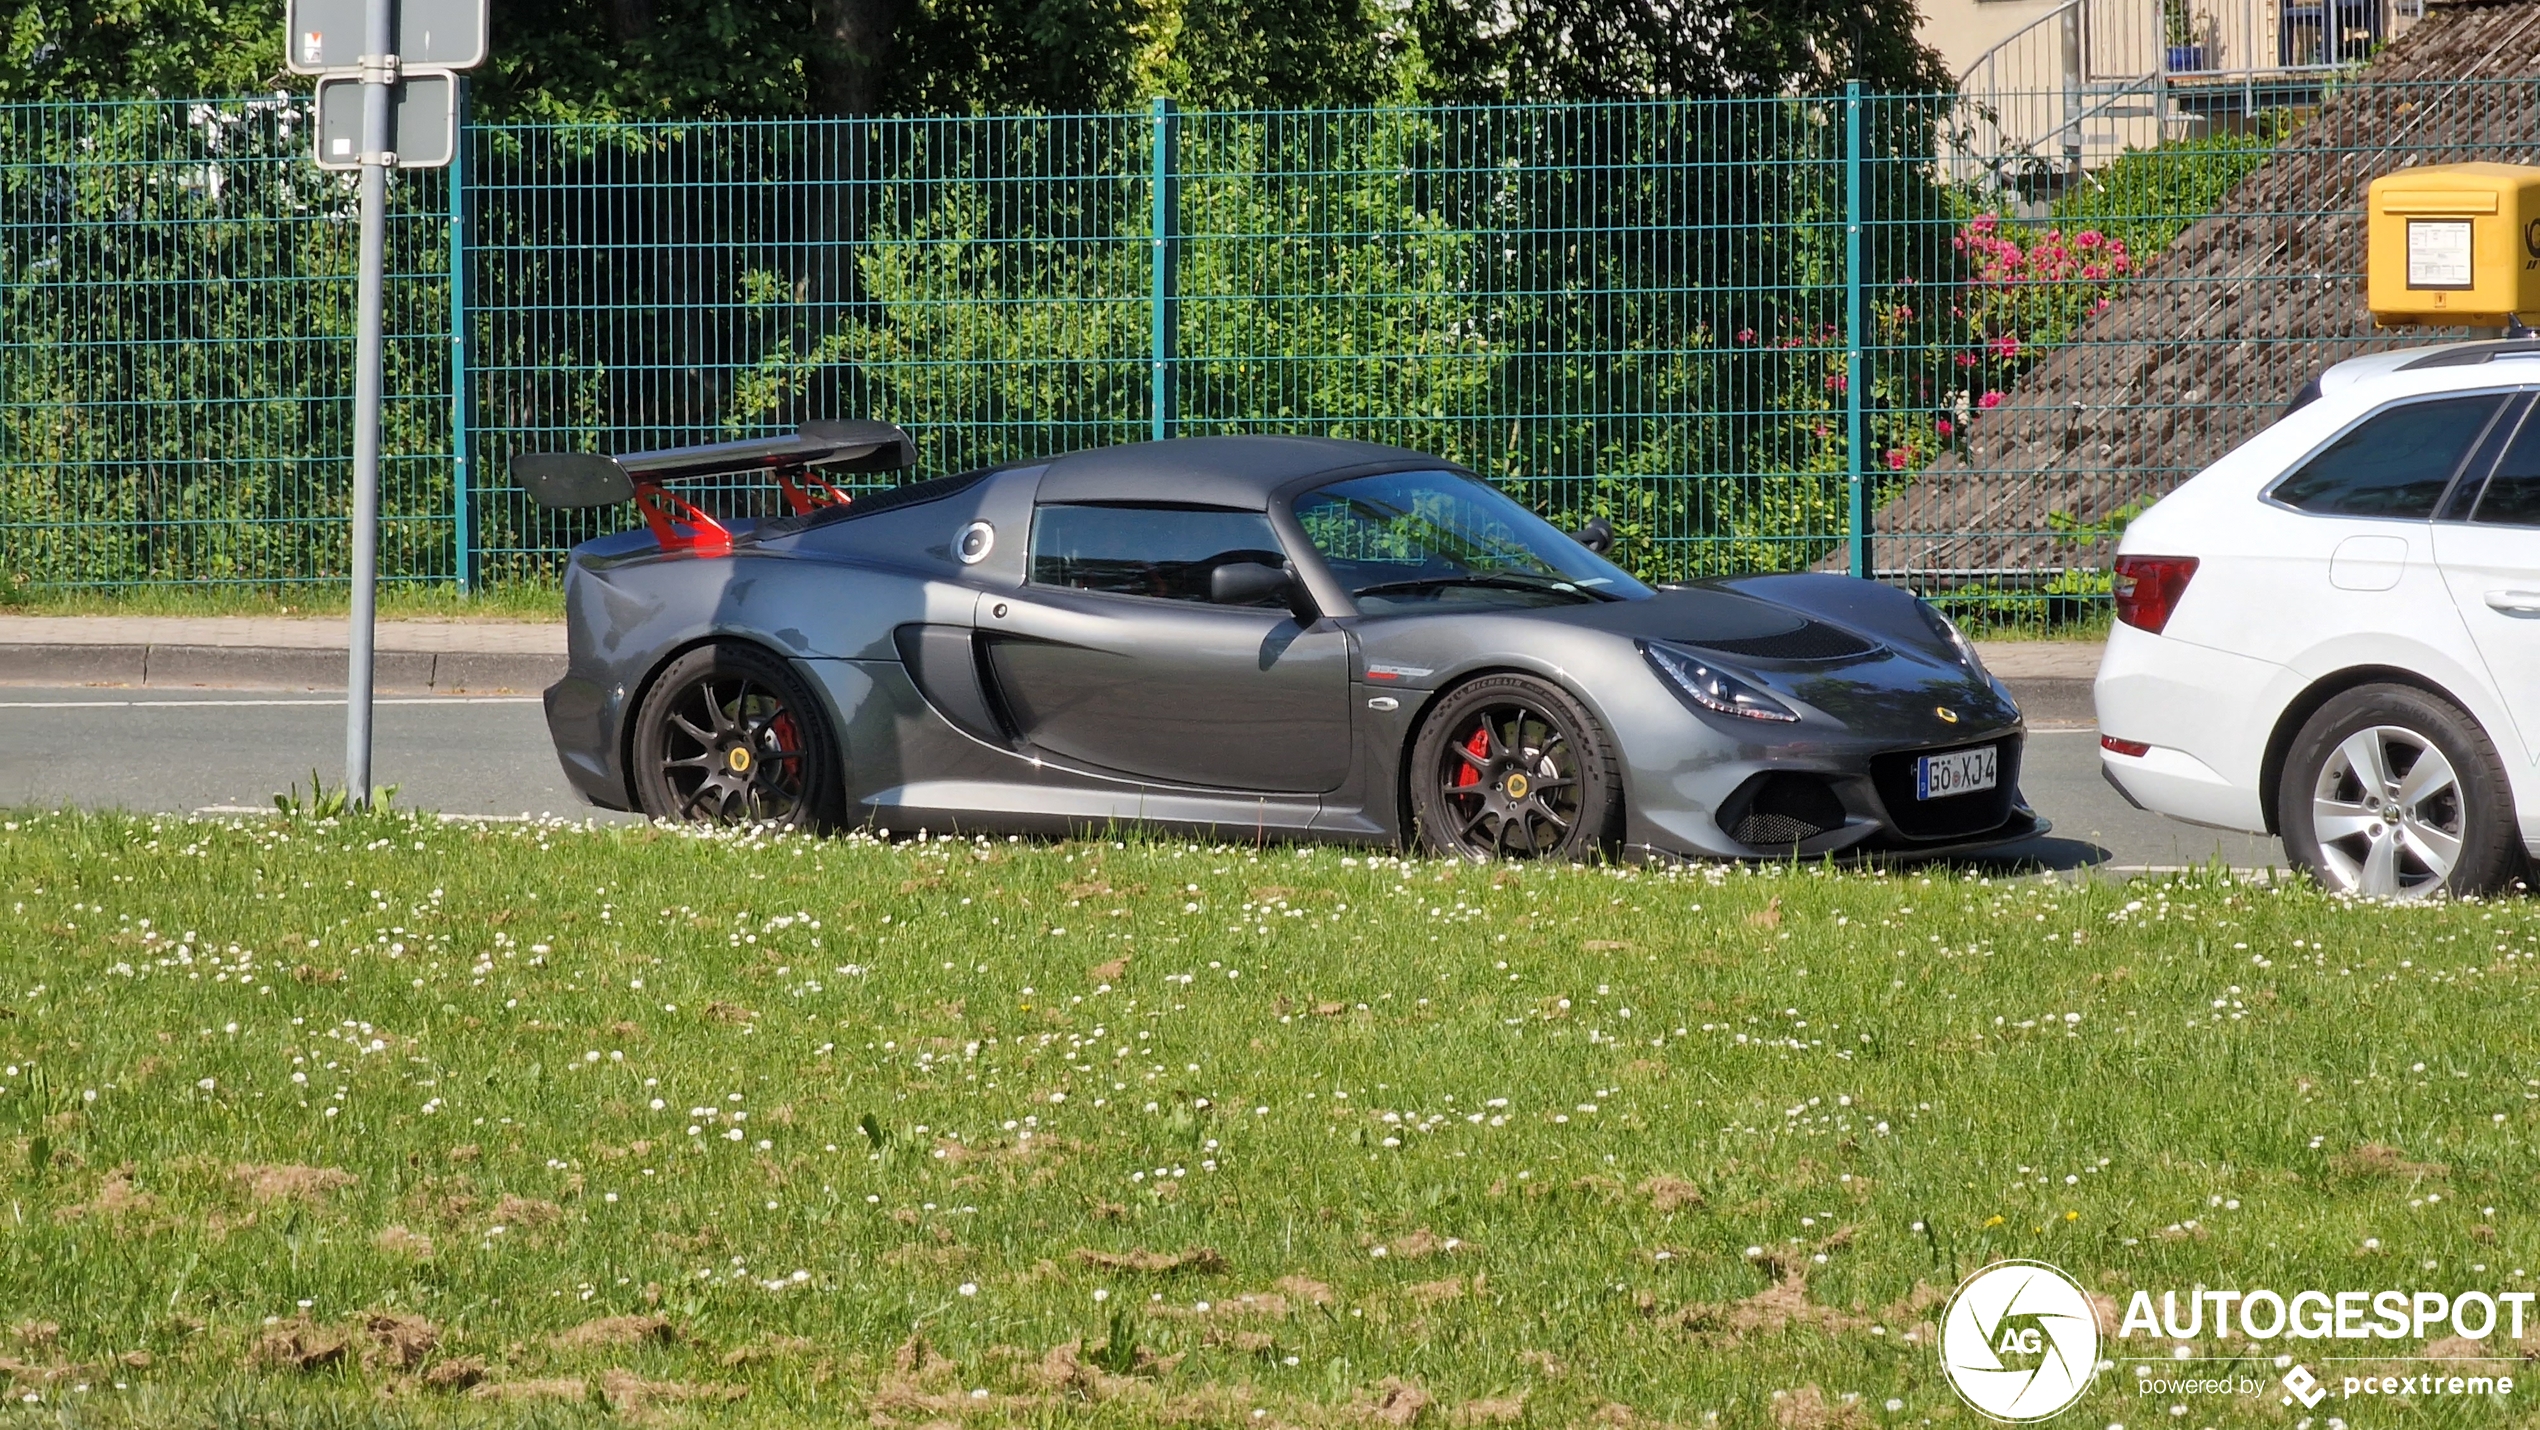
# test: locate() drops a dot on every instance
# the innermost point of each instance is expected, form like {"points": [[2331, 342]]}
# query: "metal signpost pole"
{"points": [[462, 503], [404, 75], [379, 72]]}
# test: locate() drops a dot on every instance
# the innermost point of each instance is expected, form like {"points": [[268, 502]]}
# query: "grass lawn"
{"points": [[391, 1121], [398, 601]]}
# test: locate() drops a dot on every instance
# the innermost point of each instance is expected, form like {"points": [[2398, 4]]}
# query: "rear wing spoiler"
{"points": [[565, 481]]}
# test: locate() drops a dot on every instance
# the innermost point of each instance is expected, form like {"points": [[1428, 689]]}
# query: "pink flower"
{"points": [[1989, 401], [1944, 427], [2005, 347], [1746, 335], [2087, 238], [1968, 359], [1896, 459], [1838, 383]]}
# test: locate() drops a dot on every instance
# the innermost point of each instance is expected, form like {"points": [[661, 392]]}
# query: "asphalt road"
{"points": [[228, 750]]}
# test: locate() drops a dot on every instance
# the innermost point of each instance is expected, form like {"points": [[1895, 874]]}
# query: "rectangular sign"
{"points": [[423, 120], [1961, 772], [2438, 253], [323, 35]]}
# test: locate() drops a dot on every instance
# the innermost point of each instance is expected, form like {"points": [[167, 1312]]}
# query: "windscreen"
{"points": [[1427, 541]]}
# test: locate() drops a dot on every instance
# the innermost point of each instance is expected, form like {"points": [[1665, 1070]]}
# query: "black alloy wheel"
{"points": [[1511, 767], [729, 735]]}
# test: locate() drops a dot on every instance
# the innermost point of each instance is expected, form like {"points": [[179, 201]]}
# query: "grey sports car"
{"points": [[1257, 636]]}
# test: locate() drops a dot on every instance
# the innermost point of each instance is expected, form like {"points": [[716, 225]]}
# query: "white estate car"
{"points": [[2333, 633]]}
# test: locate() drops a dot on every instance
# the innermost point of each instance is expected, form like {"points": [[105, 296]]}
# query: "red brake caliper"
{"points": [[782, 727], [1479, 748]]}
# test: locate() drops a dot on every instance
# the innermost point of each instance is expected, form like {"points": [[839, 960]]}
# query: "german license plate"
{"points": [[1958, 772]]}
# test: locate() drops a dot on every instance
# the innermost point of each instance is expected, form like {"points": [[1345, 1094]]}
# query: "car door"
{"points": [[1112, 654], [2491, 562]]}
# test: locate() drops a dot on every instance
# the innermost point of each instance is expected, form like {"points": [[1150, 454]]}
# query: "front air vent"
{"points": [[1774, 829], [1813, 640], [1781, 808]]}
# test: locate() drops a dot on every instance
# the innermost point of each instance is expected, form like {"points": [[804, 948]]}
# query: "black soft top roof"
{"points": [[1240, 472]]}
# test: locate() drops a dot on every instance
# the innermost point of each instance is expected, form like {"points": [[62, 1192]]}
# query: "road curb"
{"points": [[172, 666], [2054, 702]]}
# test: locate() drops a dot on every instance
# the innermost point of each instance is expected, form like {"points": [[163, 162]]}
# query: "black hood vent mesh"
{"points": [[1814, 640]]}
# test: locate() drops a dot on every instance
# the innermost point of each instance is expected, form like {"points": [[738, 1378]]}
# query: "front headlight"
{"points": [[1712, 688]]}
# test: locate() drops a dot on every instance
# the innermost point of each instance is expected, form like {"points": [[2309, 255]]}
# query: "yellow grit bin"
{"points": [[2454, 244]]}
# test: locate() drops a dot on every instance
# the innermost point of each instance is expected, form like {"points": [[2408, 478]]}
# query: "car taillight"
{"points": [[2148, 588]]}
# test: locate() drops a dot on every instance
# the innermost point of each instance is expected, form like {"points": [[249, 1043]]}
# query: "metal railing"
{"points": [[2089, 80], [1762, 334]]}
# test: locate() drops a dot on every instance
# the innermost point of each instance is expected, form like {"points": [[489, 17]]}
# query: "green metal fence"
{"points": [[175, 354], [1548, 294], [1754, 334]]}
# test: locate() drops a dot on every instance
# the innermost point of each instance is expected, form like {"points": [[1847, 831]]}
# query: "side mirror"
{"points": [[1597, 535], [1256, 583]]}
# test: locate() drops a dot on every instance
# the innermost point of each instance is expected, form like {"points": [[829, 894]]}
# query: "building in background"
{"points": [[2051, 88]]}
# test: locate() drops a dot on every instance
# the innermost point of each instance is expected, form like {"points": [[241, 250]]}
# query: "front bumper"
{"points": [[1812, 802], [1871, 843]]}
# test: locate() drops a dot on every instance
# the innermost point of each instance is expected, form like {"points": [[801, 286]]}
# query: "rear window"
{"points": [[1158, 551], [2395, 463], [2512, 497]]}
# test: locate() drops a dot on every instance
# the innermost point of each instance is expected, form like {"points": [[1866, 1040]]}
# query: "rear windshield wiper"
{"points": [[1504, 580]]}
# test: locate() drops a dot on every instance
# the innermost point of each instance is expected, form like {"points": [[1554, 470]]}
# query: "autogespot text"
{"points": [[2328, 1315]]}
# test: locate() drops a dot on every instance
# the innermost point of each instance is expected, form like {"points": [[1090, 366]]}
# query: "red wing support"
{"points": [[679, 525], [805, 493]]}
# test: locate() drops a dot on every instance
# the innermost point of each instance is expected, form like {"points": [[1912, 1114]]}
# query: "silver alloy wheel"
{"points": [[2387, 815]]}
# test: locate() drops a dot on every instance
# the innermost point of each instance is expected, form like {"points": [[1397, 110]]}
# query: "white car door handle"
{"points": [[2519, 603]]}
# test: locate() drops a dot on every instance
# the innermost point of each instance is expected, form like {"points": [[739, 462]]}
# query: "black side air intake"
{"points": [[1781, 807]]}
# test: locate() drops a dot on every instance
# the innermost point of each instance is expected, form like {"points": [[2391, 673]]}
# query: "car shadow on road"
{"points": [[2065, 856], [2031, 856]]}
